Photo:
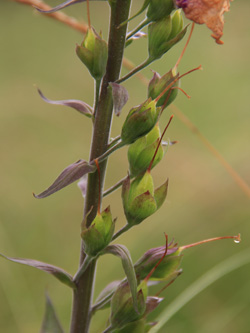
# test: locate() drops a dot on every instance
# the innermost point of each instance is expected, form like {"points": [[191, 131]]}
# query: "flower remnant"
{"points": [[209, 12]]}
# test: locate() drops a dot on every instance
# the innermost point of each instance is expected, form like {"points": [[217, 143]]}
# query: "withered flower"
{"points": [[209, 12]]}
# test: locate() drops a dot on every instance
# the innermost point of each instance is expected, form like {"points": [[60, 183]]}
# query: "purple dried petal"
{"points": [[151, 303], [120, 97], [69, 175], [79, 106], [138, 35], [82, 184], [58, 272]]}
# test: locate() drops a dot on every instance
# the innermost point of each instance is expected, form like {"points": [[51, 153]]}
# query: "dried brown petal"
{"points": [[209, 12]]}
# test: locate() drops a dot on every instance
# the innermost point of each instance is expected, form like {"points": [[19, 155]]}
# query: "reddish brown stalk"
{"points": [[183, 91], [88, 11], [166, 100], [236, 239], [185, 47], [175, 80], [59, 16], [163, 256], [156, 150], [99, 198], [167, 285]]}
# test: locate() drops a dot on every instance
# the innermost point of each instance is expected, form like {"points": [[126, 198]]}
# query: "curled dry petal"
{"points": [[79, 106], [209, 12], [69, 175], [120, 97]]}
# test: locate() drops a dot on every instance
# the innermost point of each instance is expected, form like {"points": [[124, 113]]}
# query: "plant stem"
{"points": [[82, 297], [139, 27], [97, 91], [135, 70], [114, 187], [121, 231]]}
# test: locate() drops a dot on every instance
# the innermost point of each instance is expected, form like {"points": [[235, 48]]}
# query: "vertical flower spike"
{"points": [[210, 12]]}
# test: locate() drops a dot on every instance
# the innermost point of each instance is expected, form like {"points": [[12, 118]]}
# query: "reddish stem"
{"points": [[237, 239], [163, 256], [175, 80], [185, 47], [184, 92], [88, 11], [167, 285], [156, 150]]}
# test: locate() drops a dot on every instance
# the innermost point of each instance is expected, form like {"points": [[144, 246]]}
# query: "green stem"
{"points": [[108, 152], [138, 28], [82, 297], [83, 267], [121, 231], [135, 70], [97, 92], [108, 329], [114, 187]]}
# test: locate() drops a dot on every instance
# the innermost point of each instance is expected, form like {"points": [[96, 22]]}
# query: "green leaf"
{"points": [[122, 252], [50, 323], [103, 299], [57, 272]]}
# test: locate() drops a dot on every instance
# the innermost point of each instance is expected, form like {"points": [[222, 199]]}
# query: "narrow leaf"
{"points": [[50, 323], [62, 5], [57, 272], [69, 175], [122, 252], [103, 299], [120, 97], [79, 106]]}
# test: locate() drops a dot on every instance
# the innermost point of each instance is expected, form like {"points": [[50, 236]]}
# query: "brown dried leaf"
{"points": [[209, 12]]}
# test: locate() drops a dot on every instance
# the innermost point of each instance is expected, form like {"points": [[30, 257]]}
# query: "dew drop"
{"points": [[237, 239]]}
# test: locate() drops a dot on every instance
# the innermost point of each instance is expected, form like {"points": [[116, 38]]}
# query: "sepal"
{"points": [[157, 85], [93, 52], [164, 34], [167, 269], [140, 121], [158, 9], [141, 152], [99, 234], [140, 200]]}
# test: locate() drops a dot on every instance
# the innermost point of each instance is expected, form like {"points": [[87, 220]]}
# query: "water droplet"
{"points": [[237, 241]]}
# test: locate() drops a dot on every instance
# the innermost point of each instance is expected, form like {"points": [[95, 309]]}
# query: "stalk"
{"points": [[82, 297]]}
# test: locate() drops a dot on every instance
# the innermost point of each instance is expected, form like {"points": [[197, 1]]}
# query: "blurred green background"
{"points": [[39, 140]]}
